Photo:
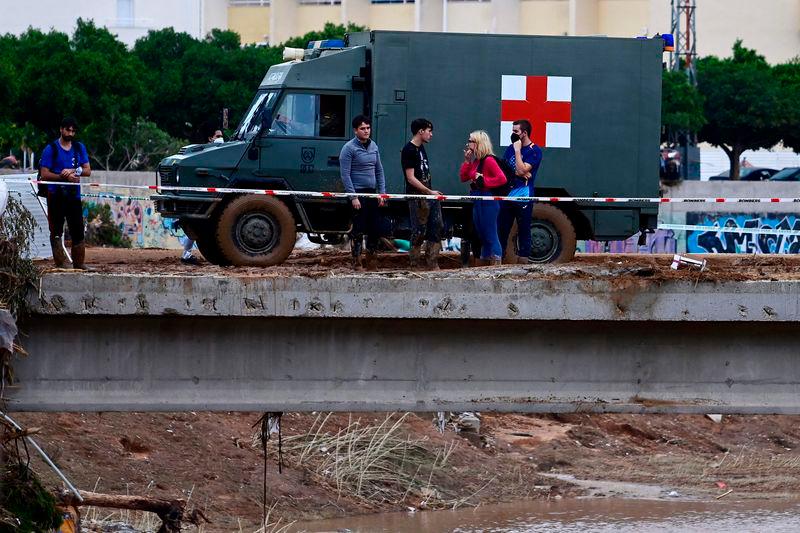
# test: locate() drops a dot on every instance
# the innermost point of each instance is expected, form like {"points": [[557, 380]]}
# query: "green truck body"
{"points": [[595, 105]]}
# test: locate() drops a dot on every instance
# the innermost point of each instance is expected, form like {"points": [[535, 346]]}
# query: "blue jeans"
{"points": [[484, 217], [522, 212]]}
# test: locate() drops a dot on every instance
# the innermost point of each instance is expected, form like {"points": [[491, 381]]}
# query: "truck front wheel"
{"points": [[256, 231], [553, 238]]}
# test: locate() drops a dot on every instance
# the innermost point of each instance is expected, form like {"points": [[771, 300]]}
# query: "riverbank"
{"points": [[211, 459]]}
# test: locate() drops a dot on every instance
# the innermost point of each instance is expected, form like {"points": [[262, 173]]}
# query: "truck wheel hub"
{"points": [[544, 241], [256, 233]]}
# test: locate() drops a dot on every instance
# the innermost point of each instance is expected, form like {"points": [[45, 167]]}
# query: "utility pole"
{"points": [[684, 28], [684, 59]]}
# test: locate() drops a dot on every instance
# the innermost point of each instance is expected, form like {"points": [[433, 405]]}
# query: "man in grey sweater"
{"points": [[362, 172]]}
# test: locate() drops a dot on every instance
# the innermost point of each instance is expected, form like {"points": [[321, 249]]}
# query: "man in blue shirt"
{"points": [[524, 157], [65, 160], [362, 172]]}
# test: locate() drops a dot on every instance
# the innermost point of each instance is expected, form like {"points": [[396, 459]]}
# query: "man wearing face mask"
{"points": [[524, 157]]}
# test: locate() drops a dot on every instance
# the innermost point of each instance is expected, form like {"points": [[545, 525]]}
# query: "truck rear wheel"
{"points": [[553, 238], [256, 231], [207, 244]]}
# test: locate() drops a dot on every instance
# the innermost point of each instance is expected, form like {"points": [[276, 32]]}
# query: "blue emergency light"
{"points": [[327, 43], [669, 42]]}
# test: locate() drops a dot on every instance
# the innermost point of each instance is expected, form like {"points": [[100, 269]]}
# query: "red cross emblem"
{"points": [[546, 101]]}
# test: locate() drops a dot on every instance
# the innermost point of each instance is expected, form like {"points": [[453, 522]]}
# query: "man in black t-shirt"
{"points": [[425, 214]]}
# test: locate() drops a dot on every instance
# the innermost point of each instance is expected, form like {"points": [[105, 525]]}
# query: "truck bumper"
{"points": [[184, 206]]}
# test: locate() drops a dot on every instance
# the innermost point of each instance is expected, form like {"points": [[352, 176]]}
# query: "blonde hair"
{"points": [[483, 146]]}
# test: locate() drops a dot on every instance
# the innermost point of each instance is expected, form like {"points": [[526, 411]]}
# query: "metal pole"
{"points": [[47, 460]]}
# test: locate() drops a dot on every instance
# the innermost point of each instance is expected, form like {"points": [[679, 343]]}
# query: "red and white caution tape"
{"points": [[393, 196], [766, 230]]}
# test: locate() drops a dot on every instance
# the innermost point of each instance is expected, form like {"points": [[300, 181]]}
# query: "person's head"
{"points": [[422, 129], [362, 127], [522, 128], [68, 128], [480, 143], [216, 137]]}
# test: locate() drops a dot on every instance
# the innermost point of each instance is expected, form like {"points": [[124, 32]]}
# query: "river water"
{"points": [[612, 515]]}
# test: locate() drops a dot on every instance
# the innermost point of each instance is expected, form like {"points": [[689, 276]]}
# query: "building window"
{"points": [[257, 3], [480, 1], [392, 1], [320, 2], [125, 13]]}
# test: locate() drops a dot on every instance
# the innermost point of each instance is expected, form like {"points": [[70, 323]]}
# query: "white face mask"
{"points": [[218, 140]]}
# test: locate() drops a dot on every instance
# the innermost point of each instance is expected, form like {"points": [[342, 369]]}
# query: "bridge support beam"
{"points": [[181, 363]]}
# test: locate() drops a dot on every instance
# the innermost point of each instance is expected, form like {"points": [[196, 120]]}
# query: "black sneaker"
{"points": [[191, 260]]}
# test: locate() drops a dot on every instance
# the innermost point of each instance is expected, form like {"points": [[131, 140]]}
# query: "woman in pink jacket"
{"points": [[483, 173]]}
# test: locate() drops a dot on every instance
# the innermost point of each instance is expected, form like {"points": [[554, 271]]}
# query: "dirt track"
{"points": [[331, 262]]}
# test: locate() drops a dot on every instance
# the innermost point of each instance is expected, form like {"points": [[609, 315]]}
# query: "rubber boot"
{"points": [[414, 254], [355, 250], [432, 255], [371, 261], [59, 255], [466, 252], [79, 256], [495, 261]]}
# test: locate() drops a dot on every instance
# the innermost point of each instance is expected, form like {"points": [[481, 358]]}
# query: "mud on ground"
{"points": [[624, 268], [210, 456]]}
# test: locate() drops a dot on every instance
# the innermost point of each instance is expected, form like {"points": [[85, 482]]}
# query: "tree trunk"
{"points": [[733, 153], [169, 511]]}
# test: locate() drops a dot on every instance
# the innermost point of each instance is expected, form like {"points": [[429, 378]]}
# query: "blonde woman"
{"points": [[480, 168]]}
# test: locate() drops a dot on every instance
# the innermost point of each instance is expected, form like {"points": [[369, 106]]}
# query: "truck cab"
{"points": [[299, 119]]}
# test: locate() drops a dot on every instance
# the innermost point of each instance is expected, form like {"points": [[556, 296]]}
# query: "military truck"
{"points": [[594, 103]]}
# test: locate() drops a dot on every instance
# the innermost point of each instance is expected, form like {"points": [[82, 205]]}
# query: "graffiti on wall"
{"points": [[138, 220], [749, 243], [660, 242]]}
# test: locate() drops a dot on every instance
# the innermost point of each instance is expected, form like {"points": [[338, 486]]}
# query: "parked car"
{"points": [[787, 174], [747, 174]]}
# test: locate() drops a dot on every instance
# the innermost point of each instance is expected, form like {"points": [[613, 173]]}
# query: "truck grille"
{"points": [[167, 174]]}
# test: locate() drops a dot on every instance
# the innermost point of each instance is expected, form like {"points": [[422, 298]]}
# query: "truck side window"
{"points": [[332, 109], [296, 116]]}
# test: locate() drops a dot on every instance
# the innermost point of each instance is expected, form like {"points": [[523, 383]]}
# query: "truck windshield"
{"points": [[254, 118]]}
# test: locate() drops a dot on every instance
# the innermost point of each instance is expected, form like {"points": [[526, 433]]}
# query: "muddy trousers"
{"points": [[63, 207], [366, 221], [426, 221], [522, 213], [484, 217]]}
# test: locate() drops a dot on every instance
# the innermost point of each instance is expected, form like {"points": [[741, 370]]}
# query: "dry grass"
{"points": [[372, 462]]}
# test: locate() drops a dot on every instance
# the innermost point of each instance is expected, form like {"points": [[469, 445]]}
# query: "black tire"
{"points": [[207, 244], [552, 235], [256, 231]]}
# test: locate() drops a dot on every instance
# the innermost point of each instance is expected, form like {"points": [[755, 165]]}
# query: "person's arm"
{"points": [[49, 175], [492, 174], [522, 169], [414, 182], [345, 162], [468, 170], [86, 169], [380, 179]]}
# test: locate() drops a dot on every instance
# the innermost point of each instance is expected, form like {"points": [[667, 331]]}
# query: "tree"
{"points": [[681, 106], [788, 76], [741, 103]]}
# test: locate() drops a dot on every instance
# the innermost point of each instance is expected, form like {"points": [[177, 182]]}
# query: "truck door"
{"points": [[391, 134], [303, 142]]}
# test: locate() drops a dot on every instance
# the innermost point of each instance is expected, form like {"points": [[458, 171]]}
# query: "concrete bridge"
{"points": [[524, 339]]}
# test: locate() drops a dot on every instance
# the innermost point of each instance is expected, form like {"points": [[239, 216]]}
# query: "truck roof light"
{"points": [[669, 42], [327, 43]]}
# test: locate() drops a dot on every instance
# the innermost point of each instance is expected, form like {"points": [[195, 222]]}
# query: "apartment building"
{"points": [[772, 27], [127, 19]]}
